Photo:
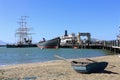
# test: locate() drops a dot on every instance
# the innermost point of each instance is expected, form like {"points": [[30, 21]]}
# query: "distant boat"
{"points": [[87, 67], [53, 43], [24, 36]]}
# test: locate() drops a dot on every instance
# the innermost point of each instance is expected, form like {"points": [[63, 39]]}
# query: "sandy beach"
{"points": [[60, 70]]}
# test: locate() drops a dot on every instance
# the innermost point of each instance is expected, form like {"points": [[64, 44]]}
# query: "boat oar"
{"points": [[91, 60], [61, 58]]}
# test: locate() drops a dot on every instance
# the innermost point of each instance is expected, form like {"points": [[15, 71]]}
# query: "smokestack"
{"points": [[66, 33]]}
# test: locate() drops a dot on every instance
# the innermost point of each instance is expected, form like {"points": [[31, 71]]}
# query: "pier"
{"points": [[76, 41], [113, 46]]}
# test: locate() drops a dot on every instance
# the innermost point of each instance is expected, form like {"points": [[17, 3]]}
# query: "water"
{"points": [[9, 56]]}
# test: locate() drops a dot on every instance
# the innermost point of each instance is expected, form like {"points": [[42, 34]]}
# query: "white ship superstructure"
{"points": [[70, 39]]}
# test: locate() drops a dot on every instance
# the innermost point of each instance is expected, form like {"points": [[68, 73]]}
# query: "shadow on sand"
{"points": [[109, 72], [104, 72]]}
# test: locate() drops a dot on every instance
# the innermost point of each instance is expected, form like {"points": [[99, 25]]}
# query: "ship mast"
{"points": [[118, 36], [23, 32]]}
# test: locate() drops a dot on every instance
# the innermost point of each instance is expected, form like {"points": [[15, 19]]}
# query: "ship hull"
{"points": [[53, 43], [20, 45]]}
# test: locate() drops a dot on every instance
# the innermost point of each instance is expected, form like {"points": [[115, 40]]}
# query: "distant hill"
{"points": [[2, 43], [95, 40]]}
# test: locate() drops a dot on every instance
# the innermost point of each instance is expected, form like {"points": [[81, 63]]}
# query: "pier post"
{"points": [[118, 43]]}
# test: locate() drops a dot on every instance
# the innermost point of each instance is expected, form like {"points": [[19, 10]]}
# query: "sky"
{"points": [[50, 18]]}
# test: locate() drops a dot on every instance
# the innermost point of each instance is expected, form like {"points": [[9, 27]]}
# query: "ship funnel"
{"points": [[66, 33]]}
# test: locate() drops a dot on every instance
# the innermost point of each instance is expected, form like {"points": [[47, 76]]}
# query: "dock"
{"points": [[76, 41], [113, 46]]}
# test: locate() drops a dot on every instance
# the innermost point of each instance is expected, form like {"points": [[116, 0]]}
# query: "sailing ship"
{"points": [[23, 35], [53, 43]]}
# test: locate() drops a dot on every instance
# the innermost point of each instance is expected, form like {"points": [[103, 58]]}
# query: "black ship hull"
{"points": [[20, 45], [53, 43]]}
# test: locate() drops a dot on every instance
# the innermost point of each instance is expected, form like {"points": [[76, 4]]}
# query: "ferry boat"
{"points": [[68, 40], [24, 36]]}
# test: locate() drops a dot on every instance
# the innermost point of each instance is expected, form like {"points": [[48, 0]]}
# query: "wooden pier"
{"points": [[83, 46], [113, 46]]}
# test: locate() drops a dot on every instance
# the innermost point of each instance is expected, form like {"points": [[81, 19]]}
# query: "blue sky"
{"points": [[49, 18]]}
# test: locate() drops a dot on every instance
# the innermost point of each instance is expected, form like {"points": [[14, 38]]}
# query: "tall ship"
{"points": [[22, 36], [52, 43]]}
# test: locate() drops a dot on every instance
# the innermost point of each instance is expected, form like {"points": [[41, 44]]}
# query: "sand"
{"points": [[60, 70]]}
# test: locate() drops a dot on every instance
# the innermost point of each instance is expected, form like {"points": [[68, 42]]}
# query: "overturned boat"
{"points": [[53, 43], [89, 67]]}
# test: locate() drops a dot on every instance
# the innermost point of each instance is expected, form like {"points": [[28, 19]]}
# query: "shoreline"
{"points": [[46, 61], [61, 70], [51, 61]]}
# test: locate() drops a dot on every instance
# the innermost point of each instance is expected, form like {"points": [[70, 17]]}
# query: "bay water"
{"points": [[9, 56]]}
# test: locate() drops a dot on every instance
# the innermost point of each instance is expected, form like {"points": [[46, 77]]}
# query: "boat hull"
{"points": [[20, 45], [94, 67], [53, 43]]}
